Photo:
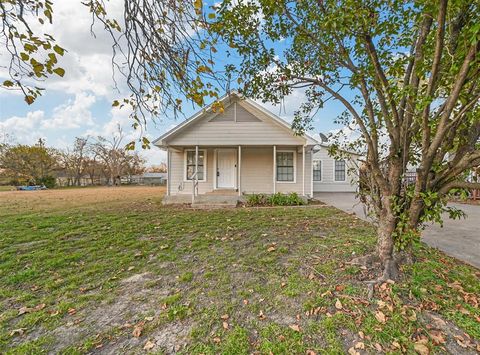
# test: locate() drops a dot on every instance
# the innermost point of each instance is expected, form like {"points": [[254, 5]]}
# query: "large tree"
{"points": [[407, 74], [29, 163]]}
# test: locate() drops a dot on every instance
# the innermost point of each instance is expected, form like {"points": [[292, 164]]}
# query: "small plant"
{"points": [[277, 199], [256, 199], [291, 199]]}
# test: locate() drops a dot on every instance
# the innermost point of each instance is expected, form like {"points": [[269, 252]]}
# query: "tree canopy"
{"points": [[406, 73]]}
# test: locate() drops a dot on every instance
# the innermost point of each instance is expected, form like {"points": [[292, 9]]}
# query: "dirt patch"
{"points": [[129, 306]]}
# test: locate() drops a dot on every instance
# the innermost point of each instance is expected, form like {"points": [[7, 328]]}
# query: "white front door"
{"points": [[226, 168]]}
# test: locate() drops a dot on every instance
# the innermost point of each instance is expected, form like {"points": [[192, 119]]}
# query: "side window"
{"points": [[317, 170], [340, 170]]}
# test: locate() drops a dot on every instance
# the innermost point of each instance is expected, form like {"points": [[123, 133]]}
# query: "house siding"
{"points": [[328, 184], [246, 130], [256, 172]]}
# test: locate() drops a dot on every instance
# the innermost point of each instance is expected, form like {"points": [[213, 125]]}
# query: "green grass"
{"points": [[210, 281]]}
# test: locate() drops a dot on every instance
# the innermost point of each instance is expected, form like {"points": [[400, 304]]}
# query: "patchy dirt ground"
{"points": [[113, 271]]}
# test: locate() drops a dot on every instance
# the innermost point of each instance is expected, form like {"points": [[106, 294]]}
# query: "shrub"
{"points": [[291, 199], [277, 199], [256, 199], [48, 181]]}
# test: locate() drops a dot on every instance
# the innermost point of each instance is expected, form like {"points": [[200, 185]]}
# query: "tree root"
{"points": [[390, 273]]}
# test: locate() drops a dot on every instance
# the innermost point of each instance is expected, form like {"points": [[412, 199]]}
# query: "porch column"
{"points": [[303, 170], [311, 173], [239, 171], [168, 172], [274, 168]]}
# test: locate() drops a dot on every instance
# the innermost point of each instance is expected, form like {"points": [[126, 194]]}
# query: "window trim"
{"points": [[321, 170], [294, 166], [334, 170], [204, 164]]}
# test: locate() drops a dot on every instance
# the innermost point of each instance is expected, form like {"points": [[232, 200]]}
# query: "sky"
{"points": [[80, 103]]}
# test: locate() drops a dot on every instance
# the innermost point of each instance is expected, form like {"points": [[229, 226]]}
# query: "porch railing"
{"points": [[194, 186]]}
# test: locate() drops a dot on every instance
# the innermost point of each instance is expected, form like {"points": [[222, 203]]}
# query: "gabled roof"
{"points": [[208, 109]]}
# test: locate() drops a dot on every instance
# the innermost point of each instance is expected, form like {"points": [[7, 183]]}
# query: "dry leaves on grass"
{"points": [[138, 329], [149, 345], [37, 308], [338, 304], [380, 317], [421, 348]]}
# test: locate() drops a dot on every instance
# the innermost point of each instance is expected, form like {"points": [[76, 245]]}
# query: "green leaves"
{"points": [[59, 71], [59, 50], [8, 83]]}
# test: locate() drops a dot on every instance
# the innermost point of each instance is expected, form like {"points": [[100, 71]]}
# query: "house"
{"points": [[154, 178], [244, 149]]}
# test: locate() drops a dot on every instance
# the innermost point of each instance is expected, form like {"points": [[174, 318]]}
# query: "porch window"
{"points": [[190, 164], [285, 166], [339, 170], [317, 170]]}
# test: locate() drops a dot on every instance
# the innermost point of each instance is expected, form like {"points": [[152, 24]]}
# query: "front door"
{"points": [[226, 168]]}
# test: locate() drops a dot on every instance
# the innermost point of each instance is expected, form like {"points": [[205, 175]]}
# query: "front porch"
{"points": [[229, 171]]}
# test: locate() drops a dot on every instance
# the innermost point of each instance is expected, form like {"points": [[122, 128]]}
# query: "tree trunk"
{"points": [[385, 244]]}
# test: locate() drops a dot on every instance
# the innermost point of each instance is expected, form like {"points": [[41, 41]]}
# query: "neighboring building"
{"points": [[154, 178], [246, 149]]}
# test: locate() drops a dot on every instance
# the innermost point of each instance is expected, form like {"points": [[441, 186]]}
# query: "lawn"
{"points": [[112, 270]]}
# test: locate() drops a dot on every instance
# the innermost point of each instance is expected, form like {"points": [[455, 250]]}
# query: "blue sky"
{"points": [[80, 103]]}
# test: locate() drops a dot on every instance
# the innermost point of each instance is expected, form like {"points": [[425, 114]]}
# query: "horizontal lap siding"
{"points": [[257, 170], [177, 166], [218, 132], [256, 173], [328, 170]]}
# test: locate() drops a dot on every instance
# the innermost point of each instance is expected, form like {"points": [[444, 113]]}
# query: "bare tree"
{"points": [[74, 160]]}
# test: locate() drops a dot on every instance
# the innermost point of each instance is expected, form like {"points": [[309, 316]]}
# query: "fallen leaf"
{"points": [[149, 345], [437, 337], [149, 319], [131, 268], [261, 315], [352, 351], [224, 317], [311, 352], [338, 304], [271, 249], [339, 288], [216, 340], [225, 325], [137, 330], [360, 345], [378, 347], [18, 331], [294, 327], [245, 302], [380, 316], [396, 345], [72, 311], [421, 349]]}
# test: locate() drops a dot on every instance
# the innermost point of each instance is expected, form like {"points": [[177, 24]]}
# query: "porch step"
{"points": [[223, 192], [215, 201]]}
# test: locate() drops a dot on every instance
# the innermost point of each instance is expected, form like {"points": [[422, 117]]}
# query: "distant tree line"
{"points": [[89, 161]]}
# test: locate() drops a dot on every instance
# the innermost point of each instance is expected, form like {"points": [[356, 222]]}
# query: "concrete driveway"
{"points": [[457, 238]]}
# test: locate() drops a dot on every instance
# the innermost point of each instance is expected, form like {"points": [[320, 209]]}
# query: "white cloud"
{"points": [[24, 129], [71, 115]]}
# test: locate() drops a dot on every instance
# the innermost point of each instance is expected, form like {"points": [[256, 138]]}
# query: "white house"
{"points": [[246, 149]]}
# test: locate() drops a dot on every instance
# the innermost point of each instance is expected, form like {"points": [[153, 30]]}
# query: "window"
{"points": [[285, 167], [317, 170], [190, 164], [339, 170]]}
